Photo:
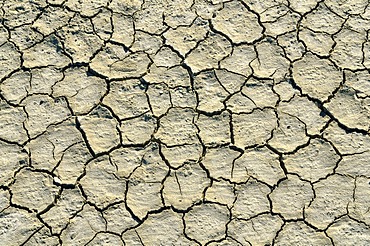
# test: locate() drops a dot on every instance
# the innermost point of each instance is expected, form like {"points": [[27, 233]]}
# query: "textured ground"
{"points": [[186, 122]]}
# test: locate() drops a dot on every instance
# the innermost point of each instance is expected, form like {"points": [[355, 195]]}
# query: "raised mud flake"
{"points": [[166, 57], [185, 186], [260, 93], [214, 130], [208, 53], [145, 183], [4, 35], [332, 197], [123, 29], [138, 195], [292, 47], [366, 13], [262, 7], [345, 8], [127, 98], [4, 200], [240, 27], [11, 123], [358, 24], [318, 78], [359, 81], [90, 220], [221, 192], [322, 19], [285, 90], [43, 237], [179, 14], [180, 155], [360, 206], [34, 190], [114, 62], [164, 228], [270, 11], [259, 163], [228, 241], [138, 130], [307, 111], [101, 129], [184, 97], [210, 92], [44, 111], [79, 39], [47, 53], [291, 197], [147, 43], [105, 238], [247, 133], [16, 87], [289, 135], [71, 165], [19, 12], [150, 18], [176, 76], [57, 2], [355, 165], [12, 158], [127, 159], [43, 79], [303, 6], [48, 149], [312, 162], [219, 162], [18, 35], [349, 109], [127, 7], [10, 59], [206, 222], [118, 218], [298, 233], [159, 98], [51, 19], [240, 103], [346, 231], [232, 82], [177, 128], [260, 230], [183, 39], [101, 183], [69, 203], [239, 60], [17, 226], [206, 9], [366, 57], [346, 142], [319, 43], [102, 23], [349, 49], [282, 24], [83, 92], [87, 8], [271, 61], [251, 97], [251, 199]]}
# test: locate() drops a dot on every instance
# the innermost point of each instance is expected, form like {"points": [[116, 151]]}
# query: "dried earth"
{"points": [[192, 122]]}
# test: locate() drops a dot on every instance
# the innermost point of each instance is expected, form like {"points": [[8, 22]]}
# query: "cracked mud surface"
{"points": [[193, 122]]}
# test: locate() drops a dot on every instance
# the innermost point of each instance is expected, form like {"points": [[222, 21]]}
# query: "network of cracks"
{"points": [[186, 122]]}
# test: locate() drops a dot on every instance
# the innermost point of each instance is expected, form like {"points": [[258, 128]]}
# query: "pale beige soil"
{"points": [[185, 122]]}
